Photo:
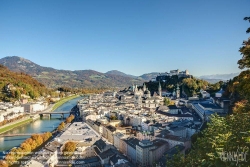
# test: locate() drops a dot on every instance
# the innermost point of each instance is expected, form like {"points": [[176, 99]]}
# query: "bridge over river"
{"points": [[20, 134], [49, 114]]}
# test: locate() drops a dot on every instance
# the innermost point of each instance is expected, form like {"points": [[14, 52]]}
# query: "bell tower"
{"points": [[144, 87], [178, 91]]}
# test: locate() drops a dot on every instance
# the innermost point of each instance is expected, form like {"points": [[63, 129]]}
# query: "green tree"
{"points": [[113, 117], [190, 85], [228, 134], [31, 94], [244, 62], [166, 101], [17, 94]]}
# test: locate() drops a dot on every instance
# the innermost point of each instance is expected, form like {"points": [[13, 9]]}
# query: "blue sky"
{"points": [[132, 36]]}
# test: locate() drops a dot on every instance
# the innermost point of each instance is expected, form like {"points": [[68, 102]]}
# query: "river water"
{"points": [[39, 126]]}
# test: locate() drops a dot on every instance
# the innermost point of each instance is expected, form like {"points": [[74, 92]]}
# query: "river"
{"points": [[39, 126]]}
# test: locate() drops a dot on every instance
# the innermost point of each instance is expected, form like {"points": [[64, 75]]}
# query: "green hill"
{"points": [[13, 84], [54, 78]]}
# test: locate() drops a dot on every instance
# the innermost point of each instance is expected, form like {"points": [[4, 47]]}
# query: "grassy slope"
{"points": [[61, 102], [7, 128]]}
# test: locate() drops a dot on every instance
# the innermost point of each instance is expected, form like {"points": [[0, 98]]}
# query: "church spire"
{"points": [[159, 89], [144, 87]]}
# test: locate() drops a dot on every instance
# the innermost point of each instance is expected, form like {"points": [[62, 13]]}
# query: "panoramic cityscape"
{"points": [[124, 84]]}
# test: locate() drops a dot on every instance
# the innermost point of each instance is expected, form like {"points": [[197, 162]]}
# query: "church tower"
{"points": [[133, 88], [178, 91], [159, 89], [136, 89], [144, 87], [174, 93]]}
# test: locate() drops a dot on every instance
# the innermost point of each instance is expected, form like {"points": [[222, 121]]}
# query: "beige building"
{"points": [[156, 153], [115, 123], [175, 140], [148, 152], [109, 131], [85, 150], [119, 142]]}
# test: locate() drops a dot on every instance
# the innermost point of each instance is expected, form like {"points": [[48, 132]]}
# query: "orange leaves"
{"points": [[241, 107]]}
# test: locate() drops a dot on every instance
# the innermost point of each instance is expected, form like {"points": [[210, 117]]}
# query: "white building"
{"points": [[35, 107], [136, 120], [8, 112], [91, 117], [219, 93], [204, 94]]}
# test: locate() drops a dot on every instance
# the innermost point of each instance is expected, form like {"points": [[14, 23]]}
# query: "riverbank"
{"points": [[15, 125], [38, 126], [62, 101], [22, 122]]}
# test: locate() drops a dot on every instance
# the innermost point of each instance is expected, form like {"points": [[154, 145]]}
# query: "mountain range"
{"points": [[54, 78], [220, 76]]}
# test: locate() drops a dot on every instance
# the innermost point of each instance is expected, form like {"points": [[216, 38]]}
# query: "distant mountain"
{"points": [[145, 77], [149, 76], [218, 77], [213, 81], [116, 72], [75, 79]]}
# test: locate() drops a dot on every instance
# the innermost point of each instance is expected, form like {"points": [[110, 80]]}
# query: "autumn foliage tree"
{"points": [[69, 149], [20, 84], [3, 163], [222, 135], [61, 126], [70, 118], [26, 147], [230, 134], [37, 138], [239, 88]]}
